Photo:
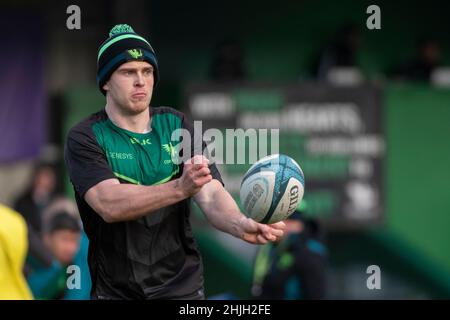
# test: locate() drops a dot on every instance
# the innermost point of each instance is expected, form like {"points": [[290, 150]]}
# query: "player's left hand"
{"points": [[258, 233]]}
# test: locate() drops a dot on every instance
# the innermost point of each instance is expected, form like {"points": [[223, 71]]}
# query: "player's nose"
{"points": [[139, 81]]}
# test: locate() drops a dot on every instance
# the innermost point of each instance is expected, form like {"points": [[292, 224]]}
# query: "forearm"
{"points": [[123, 202], [222, 212]]}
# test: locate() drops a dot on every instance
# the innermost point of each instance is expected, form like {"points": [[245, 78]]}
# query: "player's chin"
{"points": [[138, 106]]}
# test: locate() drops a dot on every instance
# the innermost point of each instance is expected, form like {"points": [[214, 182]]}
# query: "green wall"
{"points": [[417, 168]]}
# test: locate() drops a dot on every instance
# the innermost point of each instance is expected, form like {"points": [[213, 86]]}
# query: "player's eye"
{"points": [[148, 72], [127, 72]]}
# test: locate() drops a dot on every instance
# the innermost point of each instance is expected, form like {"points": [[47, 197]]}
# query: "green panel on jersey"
{"points": [[140, 158]]}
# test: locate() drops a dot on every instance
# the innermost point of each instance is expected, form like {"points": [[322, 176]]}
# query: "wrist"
{"points": [[178, 189], [238, 226]]}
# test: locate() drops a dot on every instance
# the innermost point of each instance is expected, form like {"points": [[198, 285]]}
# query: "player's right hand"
{"points": [[195, 175]]}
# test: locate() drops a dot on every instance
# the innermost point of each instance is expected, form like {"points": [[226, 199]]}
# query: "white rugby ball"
{"points": [[272, 189]]}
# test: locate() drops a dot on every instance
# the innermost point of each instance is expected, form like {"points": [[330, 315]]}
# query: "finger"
{"points": [[272, 238], [276, 232], [251, 238], [200, 159], [277, 239], [265, 230], [203, 180], [202, 172], [261, 239], [269, 237], [278, 225], [199, 166], [187, 166]]}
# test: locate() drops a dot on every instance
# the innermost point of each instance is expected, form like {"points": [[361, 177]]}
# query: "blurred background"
{"points": [[366, 113]]}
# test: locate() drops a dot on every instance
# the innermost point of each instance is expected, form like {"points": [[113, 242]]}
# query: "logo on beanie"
{"points": [[135, 53]]}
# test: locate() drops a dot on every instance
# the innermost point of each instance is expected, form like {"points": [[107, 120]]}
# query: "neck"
{"points": [[40, 196], [139, 123]]}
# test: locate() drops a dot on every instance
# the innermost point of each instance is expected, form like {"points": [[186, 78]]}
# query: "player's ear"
{"points": [[106, 86]]}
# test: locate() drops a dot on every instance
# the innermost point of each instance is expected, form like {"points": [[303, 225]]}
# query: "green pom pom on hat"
{"points": [[120, 28]]}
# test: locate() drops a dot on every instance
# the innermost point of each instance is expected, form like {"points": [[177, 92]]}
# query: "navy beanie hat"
{"points": [[123, 45]]}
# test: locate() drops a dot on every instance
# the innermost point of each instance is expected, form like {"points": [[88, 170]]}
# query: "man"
{"points": [[31, 205], [295, 267], [62, 237], [133, 199], [37, 197], [428, 59], [341, 52]]}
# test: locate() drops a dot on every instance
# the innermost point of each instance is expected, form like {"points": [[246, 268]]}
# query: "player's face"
{"points": [[131, 86]]}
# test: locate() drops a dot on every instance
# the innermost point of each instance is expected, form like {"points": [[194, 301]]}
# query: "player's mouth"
{"points": [[139, 95]]}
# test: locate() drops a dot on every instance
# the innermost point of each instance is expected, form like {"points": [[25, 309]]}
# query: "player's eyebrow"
{"points": [[128, 69], [134, 69], [150, 68]]}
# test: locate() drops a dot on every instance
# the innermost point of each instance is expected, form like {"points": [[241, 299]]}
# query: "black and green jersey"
{"points": [[154, 256]]}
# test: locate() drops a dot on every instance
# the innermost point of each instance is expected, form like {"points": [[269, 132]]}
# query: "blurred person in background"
{"points": [[63, 204], [61, 235], [428, 58], [294, 267], [13, 249], [228, 62], [59, 204], [341, 52], [133, 198], [36, 198], [31, 205]]}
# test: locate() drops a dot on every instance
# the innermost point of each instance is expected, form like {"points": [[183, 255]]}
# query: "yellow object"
{"points": [[13, 250]]}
